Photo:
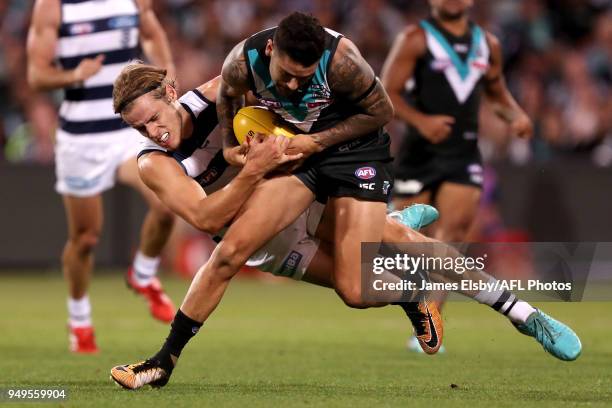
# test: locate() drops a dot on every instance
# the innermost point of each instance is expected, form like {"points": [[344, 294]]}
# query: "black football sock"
{"points": [[183, 328]]}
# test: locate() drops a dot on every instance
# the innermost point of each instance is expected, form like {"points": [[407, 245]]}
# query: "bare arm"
{"points": [[41, 44], [210, 89], [234, 85], [399, 67], [497, 93], [186, 198], [352, 77], [153, 38]]}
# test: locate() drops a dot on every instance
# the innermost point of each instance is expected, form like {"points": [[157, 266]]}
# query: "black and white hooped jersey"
{"points": [[201, 154], [89, 28], [448, 79]]}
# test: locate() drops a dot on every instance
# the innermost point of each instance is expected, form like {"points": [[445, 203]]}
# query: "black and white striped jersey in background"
{"points": [[89, 28], [201, 154]]}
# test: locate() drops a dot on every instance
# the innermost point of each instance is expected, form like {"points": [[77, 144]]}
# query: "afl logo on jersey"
{"points": [[365, 173], [81, 28]]}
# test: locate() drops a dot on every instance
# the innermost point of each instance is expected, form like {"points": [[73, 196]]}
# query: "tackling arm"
{"points": [[186, 198]]}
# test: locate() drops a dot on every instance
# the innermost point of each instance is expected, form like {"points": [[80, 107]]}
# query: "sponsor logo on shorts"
{"points": [[365, 173], [368, 186], [80, 183], [474, 168], [408, 186], [291, 263]]}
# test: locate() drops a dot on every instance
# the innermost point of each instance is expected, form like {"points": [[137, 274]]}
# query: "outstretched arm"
{"points": [[498, 94]]}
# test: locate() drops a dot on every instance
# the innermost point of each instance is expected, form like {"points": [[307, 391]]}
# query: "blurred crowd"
{"points": [[558, 57]]}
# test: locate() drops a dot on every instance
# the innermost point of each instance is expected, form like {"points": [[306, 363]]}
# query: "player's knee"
{"points": [[351, 295], [85, 241], [227, 259]]}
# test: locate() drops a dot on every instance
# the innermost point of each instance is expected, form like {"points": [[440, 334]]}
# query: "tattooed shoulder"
{"points": [[234, 71], [350, 74]]}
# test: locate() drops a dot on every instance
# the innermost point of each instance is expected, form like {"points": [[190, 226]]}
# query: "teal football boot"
{"points": [[556, 338], [416, 216]]}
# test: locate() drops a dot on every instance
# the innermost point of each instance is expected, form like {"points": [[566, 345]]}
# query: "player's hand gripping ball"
{"points": [[251, 120]]}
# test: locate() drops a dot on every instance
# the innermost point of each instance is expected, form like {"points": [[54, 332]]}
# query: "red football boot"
{"points": [[82, 340], [160, 305]]}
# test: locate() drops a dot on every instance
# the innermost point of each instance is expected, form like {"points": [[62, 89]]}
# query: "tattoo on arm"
{"points": [[234, 84], [353, 79]]}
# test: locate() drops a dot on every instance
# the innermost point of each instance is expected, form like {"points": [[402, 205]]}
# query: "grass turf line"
{"points": [[297, 345]]}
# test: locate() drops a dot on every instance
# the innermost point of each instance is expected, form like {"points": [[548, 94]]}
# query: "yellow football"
{"points": [[256, 119]]}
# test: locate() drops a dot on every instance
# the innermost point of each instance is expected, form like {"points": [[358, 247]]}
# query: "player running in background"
{"points": [[183, 164], [81, 46], [446, 62]]}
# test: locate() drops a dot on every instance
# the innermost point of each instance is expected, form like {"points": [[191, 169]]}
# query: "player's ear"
{"points": [[269, 47], [171, 93]]}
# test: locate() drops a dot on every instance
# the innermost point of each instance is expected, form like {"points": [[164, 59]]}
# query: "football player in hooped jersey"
{"points": [[81, 46], [445, 62]]}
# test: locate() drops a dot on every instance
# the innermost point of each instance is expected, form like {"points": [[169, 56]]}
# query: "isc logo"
{"points": [[365, 173]]}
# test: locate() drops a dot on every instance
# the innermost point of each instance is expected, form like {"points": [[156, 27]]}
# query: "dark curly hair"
{"points": [[301, 37]]}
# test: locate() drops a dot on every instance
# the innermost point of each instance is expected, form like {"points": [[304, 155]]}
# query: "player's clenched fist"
{"points": [[267, 153], [435, 128]]}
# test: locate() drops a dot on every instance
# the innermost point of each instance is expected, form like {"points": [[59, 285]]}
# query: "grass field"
{"points": [[297, 345]]}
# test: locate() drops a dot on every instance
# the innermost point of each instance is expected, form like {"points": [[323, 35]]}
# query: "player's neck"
{"points": [[187, 123], [457, 27]]}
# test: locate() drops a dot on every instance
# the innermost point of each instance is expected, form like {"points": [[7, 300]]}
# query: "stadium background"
{"points": [[293, 344], [552, 188]]}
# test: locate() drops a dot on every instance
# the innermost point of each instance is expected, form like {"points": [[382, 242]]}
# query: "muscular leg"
{"points": [[84, 216], [457, 204], [262, 216], [350, 231]]}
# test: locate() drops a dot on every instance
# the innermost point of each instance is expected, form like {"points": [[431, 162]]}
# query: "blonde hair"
{"points": [[137, 79]]}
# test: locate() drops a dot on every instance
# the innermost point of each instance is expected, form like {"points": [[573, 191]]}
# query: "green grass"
{"points": [[298, 345]]}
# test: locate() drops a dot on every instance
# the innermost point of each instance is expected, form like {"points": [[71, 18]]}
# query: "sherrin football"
{"points": [[256, 119]]}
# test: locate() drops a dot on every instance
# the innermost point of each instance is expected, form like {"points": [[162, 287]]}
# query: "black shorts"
{"points": [[419, 168], [361, 168]]}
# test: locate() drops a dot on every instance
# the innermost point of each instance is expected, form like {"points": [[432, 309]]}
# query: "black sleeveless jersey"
{"points": [[314, 107], [447, 81]]}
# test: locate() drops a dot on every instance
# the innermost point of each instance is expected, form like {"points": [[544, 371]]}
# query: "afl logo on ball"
{"points": [[365, 173]]}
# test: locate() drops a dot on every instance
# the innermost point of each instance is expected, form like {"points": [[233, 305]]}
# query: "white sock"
{"points": [[505, 303], [79, 312], [145, 268]]}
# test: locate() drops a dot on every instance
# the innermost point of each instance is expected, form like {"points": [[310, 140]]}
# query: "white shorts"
{"points": [[86, 165], [289, 253]]}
